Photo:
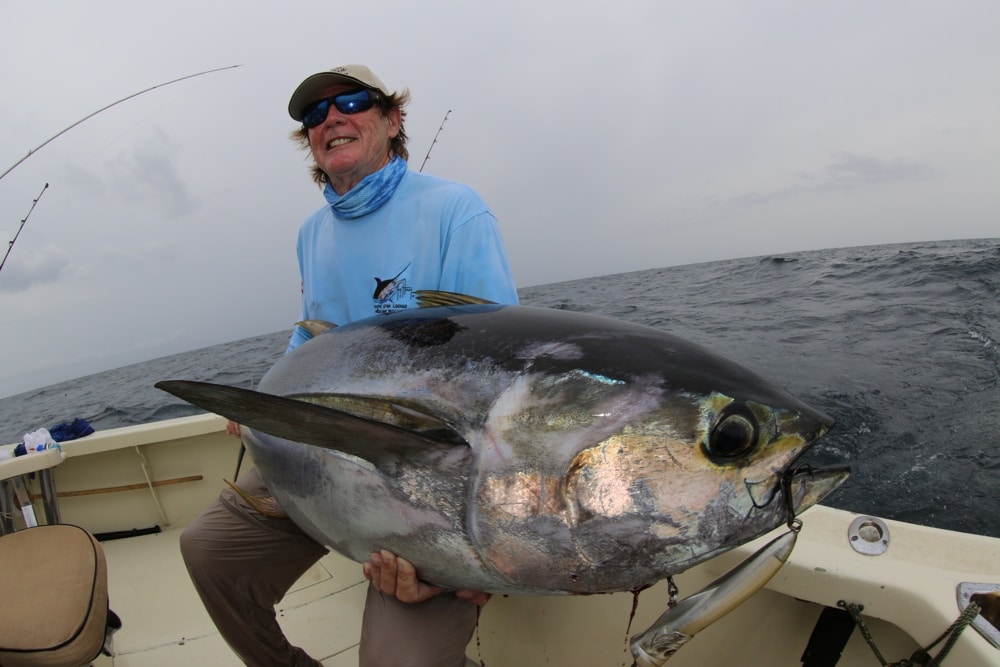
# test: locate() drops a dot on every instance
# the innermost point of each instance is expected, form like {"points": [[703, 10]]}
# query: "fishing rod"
{"points": [[10, 246], [89, 116], [427, 157]]}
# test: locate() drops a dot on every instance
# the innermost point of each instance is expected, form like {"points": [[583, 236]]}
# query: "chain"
{"points": [[674, 591]]}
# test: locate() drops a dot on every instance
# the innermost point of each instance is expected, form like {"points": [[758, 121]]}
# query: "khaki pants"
{"points": [[242, 563]]}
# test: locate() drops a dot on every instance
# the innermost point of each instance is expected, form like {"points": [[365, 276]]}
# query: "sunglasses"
{"points": [[354, 101]]}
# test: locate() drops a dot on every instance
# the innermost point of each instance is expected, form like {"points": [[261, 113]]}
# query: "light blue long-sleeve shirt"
{"points": [[432, 234]]}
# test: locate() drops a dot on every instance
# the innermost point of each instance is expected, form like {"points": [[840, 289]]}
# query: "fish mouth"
{"points": [[799, 487], [803, 485]]}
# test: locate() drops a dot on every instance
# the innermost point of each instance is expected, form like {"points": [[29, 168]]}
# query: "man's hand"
{"points": [[397, 577]]}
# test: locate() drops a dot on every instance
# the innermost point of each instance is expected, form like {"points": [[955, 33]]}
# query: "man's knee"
{"points": [[198, 544]]}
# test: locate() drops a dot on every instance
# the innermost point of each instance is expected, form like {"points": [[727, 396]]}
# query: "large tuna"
{"points": [[524, 450]]}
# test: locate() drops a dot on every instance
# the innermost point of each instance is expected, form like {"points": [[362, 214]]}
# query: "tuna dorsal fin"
{"points": [[305, 422], [316, 327], [434, 298]]}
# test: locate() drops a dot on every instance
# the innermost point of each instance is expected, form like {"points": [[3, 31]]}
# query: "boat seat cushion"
{"points": [[54, 586]]}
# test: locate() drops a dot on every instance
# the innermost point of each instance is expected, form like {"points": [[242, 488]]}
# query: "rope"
{"points": [[921, 657]]}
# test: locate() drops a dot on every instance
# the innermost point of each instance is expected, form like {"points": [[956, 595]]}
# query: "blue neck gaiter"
{"points": [[368, 195]]}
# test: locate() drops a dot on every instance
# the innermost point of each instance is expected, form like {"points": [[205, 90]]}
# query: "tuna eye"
{"points": [[735, 433]]}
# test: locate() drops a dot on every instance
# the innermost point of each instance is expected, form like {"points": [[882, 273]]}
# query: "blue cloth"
{"points": [[432, 234], [374, 190], [71, 430]]}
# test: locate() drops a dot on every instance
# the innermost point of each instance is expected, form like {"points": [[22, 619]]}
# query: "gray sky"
{"points": [[607, 137]]}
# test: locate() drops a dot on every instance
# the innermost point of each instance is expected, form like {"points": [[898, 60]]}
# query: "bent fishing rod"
{"points": [[105, 108]]}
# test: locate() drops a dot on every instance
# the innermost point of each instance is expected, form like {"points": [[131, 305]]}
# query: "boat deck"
{"points": [[164, 622]]}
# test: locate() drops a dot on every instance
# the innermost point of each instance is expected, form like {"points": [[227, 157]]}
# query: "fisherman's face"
{"points": [[348, 147]]}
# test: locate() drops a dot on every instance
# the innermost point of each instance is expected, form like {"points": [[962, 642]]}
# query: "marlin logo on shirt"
{"points": [[386, 289]]}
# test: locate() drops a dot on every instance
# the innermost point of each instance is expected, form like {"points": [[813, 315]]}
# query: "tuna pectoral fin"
{"points": [[304, 422], [677, 625]]}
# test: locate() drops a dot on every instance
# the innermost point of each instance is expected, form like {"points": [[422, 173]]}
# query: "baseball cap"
{"points": [[310, 88]]}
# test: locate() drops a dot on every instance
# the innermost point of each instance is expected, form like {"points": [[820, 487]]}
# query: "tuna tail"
{"points": [[309, 423], [694, 613]]}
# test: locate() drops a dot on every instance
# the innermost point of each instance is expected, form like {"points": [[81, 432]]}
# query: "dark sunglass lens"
{"points": [[315, 113], [354, 102]]}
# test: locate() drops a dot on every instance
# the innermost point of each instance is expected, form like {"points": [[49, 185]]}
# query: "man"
{"points": [[385, 233]]}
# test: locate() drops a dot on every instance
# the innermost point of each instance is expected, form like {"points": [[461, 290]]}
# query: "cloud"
{"points": [[148, 175], [850, 172], [846, 173], [29, 267]]}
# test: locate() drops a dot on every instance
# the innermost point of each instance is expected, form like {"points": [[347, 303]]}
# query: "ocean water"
{"points": [[897, 342]]}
